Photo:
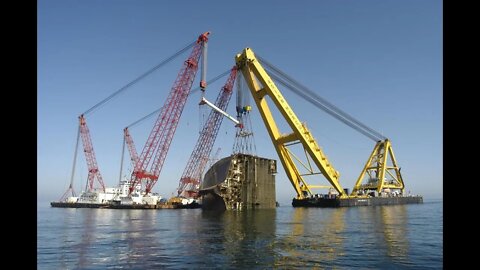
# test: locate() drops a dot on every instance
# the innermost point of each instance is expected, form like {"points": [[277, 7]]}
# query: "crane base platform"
{"points": [[124, 206], [349, 202]]}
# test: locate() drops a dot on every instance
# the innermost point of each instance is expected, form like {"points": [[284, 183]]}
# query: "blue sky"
{"points": [[381, 61]]}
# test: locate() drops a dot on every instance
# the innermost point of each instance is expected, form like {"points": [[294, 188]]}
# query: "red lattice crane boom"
{"points": [[190, 180], [131, 146], [158, 143], [93, 171]]}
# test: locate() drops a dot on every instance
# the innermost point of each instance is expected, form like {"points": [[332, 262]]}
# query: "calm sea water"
{"points": [[382, 237]]}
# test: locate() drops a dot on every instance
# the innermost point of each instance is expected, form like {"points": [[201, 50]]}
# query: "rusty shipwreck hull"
{"points": [[239, 181]]}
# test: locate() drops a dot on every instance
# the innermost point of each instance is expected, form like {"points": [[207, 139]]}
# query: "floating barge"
{"points": [[125, 206], [119, 198], [348, 202], [243, 181]]}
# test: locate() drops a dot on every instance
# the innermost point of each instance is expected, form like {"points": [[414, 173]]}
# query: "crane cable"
{"points": [[321, 106], [145, 74], [320, 102], [157, 110], [218, 77]]}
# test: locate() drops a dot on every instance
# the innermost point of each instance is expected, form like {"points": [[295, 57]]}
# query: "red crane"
{"points": [[131, 146], [93, 171], [190, 180], [147, 171], [214, 158]]}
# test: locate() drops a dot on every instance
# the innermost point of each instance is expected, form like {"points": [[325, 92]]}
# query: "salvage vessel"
{"points": [[118, 198]]}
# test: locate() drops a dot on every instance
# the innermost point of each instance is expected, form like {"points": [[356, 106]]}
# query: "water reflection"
{"points": [[286, 238], [66, 234], [88, 223], [394, 226], [238, 238], [385, 234], [134, 235], [314, 238], [108, 237]]}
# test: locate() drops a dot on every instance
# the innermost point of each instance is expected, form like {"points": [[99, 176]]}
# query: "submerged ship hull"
{"points": [[239, 181]]}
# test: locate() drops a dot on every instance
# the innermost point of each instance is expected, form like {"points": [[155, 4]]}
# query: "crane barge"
{"points": [[138, 189], [379, 183]]}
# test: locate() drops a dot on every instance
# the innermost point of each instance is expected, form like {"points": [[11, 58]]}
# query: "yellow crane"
{"points": [[261, 85], [381, 171]]}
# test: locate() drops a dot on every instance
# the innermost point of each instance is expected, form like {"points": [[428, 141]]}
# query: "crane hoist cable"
{"points": [[320, 102], [218, 77], [84, 131], [70, 187], [190, 180], [211, 81], [142, 76], [320, 106], [154, 153]]}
